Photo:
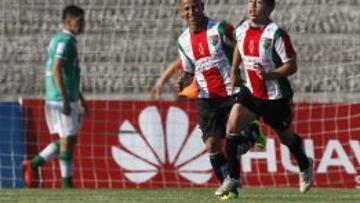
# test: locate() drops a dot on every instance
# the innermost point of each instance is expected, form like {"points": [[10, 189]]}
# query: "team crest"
{"points": [[266, 42], [214, 40]]}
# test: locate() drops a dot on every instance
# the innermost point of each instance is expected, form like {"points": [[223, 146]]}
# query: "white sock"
{"points": [[66, 168], [50, 152]]}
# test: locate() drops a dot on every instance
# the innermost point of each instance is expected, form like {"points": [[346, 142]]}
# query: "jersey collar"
{"points": [[69, 33], [204, 26], [258, 27]]}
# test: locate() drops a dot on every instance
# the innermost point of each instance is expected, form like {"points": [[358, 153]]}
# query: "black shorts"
{"points": [[213, 115], [276, 113]]}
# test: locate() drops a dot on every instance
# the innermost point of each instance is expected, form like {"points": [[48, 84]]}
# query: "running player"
{"points": [[205, 49], [268, 59]]}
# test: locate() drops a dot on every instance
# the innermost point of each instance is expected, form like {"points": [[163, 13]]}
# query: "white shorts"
{"points": [[59, 123]]}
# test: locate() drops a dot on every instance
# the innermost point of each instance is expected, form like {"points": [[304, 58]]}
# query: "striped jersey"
{"points": [[208, 55], [271, 47], [63, 46]]}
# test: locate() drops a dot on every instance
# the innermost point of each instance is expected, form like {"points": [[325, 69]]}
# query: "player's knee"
{"points": [[231, 125], [239, 143], [230, 128], [67, 143], [213, 148]]}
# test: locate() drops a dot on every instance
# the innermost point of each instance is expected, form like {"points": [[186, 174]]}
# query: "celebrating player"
{"points": [[205, 49], [64, 101], [268, 59]]}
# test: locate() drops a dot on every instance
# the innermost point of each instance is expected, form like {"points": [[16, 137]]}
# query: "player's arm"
{"points": [[285, 70], [184, 81], [83, 103], [164, 77], [188, 67], [284, 50], [234, 74], [60, 85]]}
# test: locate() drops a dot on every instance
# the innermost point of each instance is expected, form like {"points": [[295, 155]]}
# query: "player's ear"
{"points": [[180, 8], [66, 20]]}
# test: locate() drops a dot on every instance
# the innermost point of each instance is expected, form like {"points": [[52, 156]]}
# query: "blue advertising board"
{"points": [[12, 145]]}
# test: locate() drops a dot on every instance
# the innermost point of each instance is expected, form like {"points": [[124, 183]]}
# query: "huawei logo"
{"points": [[157, 149]]}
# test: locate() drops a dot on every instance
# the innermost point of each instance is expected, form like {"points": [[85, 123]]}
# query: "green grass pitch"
{"points": [[247, 195]]}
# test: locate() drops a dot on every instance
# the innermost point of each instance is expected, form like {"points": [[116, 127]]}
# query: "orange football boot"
{"points": [[28, 173]]}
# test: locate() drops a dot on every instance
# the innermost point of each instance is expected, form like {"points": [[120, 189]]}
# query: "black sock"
{"points": [[298, 152], [218, 162], [232, 160], [244, 140]]}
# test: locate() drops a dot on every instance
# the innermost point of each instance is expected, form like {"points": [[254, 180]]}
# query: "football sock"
{"points": [[218, 163], [67, 182], [244, 140], [47, 154], [232, 154], [66, 169], [298, 152]]}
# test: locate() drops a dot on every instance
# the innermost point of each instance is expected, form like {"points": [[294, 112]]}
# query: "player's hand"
{"points": [[84, 106], [155, 93], [66, 108], [179, 86], [260, 71]]}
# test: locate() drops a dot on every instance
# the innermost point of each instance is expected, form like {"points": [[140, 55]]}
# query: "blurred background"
{"points": [[128, 43]]}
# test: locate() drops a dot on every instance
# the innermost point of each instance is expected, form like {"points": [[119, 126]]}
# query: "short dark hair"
{"points": [[73, 11], [201, 1], [270, 3]]}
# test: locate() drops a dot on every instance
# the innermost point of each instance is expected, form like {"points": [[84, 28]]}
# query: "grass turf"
{"points": [[248, 195]]}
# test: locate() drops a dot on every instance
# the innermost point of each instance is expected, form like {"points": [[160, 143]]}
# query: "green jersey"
{"points": [[63, 46]]}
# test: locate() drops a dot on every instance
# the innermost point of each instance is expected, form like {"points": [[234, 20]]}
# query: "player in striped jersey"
{"points": [[268, 59], [205, 49]]}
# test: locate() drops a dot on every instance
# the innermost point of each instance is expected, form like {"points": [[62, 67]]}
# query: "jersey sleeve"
{"points": [[186, 64], [283, 46], [62, 49], [226, 32]]}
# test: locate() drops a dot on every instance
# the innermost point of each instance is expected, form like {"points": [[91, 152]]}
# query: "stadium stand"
{"points": [[128, 43]]}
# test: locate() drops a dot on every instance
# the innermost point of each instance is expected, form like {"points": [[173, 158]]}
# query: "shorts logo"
{"points": [[153, 150]]}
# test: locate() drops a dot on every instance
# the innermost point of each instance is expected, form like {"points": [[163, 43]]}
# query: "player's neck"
{"points": [[201, 26], [260, 23], [68, 31]]}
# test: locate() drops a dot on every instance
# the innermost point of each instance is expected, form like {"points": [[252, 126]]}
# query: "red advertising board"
{"points": [[127, 144]]}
